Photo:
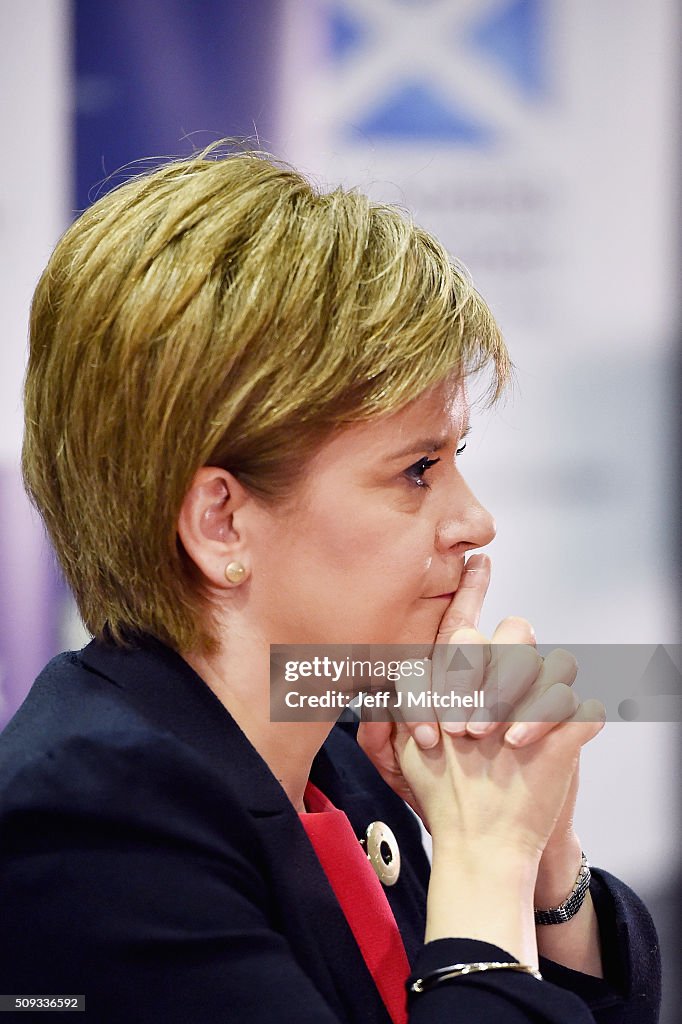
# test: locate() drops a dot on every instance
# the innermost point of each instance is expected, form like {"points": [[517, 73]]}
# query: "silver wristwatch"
{"points": [[566, 910]]}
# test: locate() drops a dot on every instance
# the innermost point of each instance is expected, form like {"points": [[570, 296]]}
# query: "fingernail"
{"points": [[516, 735], [426, 736], [479, 728], [454, 728]]}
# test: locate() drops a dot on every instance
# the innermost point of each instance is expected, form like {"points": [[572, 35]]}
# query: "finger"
{"points": [[593, 714], [465, 607], [590, 716], [459, 670], [418, 718], [377, 740], [587, 722], [514, 630], [374, 737], [557, 704], [511, 676], [559, 666]]}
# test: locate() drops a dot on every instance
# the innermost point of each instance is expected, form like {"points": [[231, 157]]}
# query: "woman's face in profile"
{"points": [[373, 546]]}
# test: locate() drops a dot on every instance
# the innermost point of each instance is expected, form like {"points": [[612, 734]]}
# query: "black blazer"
{"points": [[150, 860]]}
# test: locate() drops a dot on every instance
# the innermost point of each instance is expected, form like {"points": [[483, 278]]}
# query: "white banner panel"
{"points": [[533, 136]]}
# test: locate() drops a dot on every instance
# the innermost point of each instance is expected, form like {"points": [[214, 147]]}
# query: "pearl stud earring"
{"points": [[235, 572]]}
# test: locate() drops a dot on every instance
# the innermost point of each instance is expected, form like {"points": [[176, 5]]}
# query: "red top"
{"points": [[361, 897]]}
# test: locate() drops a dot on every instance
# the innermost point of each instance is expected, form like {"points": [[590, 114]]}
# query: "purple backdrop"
{"points": [[152, 79]]}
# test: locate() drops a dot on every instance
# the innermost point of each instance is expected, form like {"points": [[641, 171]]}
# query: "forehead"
{"points": [[440, 412], [443, 409]]}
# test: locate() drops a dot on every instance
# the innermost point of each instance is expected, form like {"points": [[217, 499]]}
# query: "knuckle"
{"points": [[530, 658], [462, 634], [569, 698], [593, 711], [564, 664], [518, 661], [566, 699], [517, 620], [556, 704], [519, 625]]}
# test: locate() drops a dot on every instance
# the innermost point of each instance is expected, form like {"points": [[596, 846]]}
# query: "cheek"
{"points": [[387, 551], [350, 577]]}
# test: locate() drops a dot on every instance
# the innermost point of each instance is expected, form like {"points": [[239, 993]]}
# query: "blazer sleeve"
{"points": [[630, 992], [114, 884]]}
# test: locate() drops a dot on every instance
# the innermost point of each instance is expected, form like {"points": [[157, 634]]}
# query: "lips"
{"points": [[449, 594]]}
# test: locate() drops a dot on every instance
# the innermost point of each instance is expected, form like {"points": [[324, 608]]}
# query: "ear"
{"points": [[208, 527]]}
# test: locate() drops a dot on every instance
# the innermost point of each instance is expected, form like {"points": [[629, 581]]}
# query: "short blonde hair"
{"points": [[219, 310]]}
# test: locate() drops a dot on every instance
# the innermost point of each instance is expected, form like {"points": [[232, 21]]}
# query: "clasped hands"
{"points": [[508, 782]]}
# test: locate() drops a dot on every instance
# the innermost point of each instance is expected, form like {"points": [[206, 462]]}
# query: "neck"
{"points": [[240, 679]]}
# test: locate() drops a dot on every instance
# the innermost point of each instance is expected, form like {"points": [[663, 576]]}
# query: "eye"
{"points": [[461, 448], [416, 472]]}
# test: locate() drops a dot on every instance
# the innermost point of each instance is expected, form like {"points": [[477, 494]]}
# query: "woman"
{"points": [[245, 404]]}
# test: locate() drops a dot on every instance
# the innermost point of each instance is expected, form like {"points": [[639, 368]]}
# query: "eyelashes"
{"points": [[416, 472]]}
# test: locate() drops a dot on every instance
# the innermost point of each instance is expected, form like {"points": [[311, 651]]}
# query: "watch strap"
{"points": [[574, 901]]}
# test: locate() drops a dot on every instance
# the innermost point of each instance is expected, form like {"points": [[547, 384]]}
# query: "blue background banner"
{"points": [[164, 77]]}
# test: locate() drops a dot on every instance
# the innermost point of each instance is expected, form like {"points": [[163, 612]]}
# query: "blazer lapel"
{"points": [[167, 691], [347, 778]]}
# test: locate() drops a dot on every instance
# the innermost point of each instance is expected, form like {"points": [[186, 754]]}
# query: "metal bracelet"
{"points": [[460, 970], [570, 907]]}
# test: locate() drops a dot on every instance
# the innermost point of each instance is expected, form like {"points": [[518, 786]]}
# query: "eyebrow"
{"points": [[428, 444]]}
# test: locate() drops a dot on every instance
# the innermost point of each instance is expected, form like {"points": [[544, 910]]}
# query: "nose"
{"points": [[464, 523]]}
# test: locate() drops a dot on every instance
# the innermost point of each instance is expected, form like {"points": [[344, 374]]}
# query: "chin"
{"points": [[412, 633]]}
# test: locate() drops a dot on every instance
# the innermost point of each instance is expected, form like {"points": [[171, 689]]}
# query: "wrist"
{"points": [[483, 891], [489, 872], [489, 856], [559, 866]]}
